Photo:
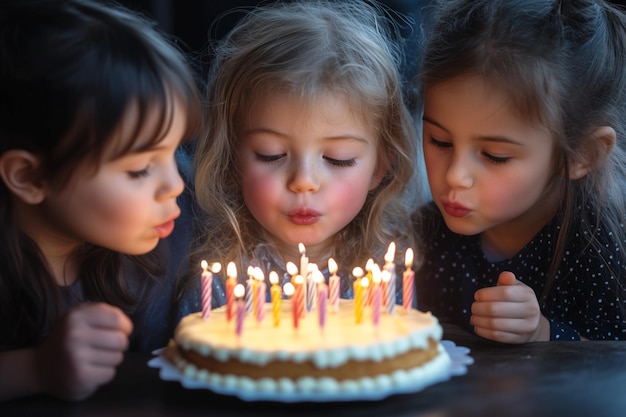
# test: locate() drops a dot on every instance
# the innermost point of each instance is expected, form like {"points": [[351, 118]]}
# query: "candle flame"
{"points": [[239, 291], [231, 270], [216, 267], [332, 266], [292, 269], [273, 277], [258, 274], [318, 277], [391, 252], [376, 274], [299, 279], [385, 275], [301, 248], [408, 258], [365, 282], [204, 264], [357, 272], [369, 264], [289, 289]]}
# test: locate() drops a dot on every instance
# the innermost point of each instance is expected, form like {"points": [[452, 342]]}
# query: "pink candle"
{"points": [[241, 309], [322, 297], [206, 280], [207, 286], [231, 282], [298, 300], [250, 291], [390, 280], [378, 297], [334, 284], [408, 278], [367, 293], [260, 295]]}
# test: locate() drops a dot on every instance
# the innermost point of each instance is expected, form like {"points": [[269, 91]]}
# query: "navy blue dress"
{"points": [[586, 298]]}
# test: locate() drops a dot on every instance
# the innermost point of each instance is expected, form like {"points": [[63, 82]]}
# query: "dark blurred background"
{"points": [[197, 22]]}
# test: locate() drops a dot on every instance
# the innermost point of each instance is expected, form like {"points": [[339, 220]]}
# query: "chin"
{"points": [[462, 228]]}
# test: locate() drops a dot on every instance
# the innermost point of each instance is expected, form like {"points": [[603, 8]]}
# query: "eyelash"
{"points": [[138, 174], [493, 159], [341, 163]]}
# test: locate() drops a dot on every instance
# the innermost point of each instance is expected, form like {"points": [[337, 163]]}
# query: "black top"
{"points": [[584, 299]]}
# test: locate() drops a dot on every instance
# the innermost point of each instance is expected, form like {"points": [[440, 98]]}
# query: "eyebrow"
{"points": [[497, 138]]}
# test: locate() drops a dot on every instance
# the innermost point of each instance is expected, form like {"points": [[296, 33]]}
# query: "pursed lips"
{"points": [[303, 216]]}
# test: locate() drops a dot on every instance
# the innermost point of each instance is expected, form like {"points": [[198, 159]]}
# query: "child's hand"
{"points": [[509, 312], [83, 350]]}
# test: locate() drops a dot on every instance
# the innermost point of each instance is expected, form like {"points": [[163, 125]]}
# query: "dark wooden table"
{"points": [[561, 379]]}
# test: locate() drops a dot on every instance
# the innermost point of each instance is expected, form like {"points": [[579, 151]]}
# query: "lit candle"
{"points": [[260, 289], [292, 270], [358, 293], [250, 290], [334, 285], [311, 288], [304, 260], [276, 294], [408, 278], [322, 297], [390, 287], [384, 275], [207, 286], [289, 290], [238, 292], [231, 281], [367, 294], [299, 296], [378, 296]]}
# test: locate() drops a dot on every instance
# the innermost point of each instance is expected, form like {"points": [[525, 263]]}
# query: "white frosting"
{"points": [[312, 389], [340, 340]]}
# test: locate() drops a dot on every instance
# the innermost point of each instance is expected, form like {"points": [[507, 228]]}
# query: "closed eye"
{"points": [[268, 159], [139, 174], [439, 143], [341, 163], [496, 159]]}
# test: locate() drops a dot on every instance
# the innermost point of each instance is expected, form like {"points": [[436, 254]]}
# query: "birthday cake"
{"points": [[396, 353]]}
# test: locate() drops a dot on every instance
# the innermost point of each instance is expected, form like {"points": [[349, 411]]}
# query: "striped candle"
{"points": [[390, 287], [408, 281], [207, 286], [231, 282], [240, 309], [276, 294], [334, 285], [260, 294]]}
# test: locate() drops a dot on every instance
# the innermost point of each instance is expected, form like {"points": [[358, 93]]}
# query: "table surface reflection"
{"points": [[536, 379]]}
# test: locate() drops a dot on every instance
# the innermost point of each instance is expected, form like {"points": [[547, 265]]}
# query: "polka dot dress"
{"points": [[586, 298]]}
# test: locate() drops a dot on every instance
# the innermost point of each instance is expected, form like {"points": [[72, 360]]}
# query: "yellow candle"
{"points": [[358, 293], [276, 294]]}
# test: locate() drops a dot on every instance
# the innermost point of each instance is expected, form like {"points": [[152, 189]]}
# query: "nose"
{"points": [[172, 183], [459, 172], [304, 176]]}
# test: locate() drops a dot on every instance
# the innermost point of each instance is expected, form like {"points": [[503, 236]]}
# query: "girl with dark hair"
{"points": [[524, 130], [93, 105]]}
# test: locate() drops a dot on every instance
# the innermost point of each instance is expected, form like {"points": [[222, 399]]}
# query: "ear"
{"points": [[19, 171], [602, 141]]}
